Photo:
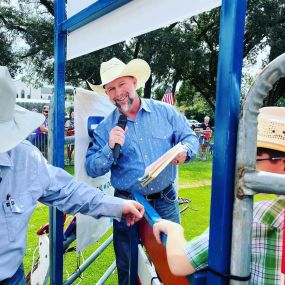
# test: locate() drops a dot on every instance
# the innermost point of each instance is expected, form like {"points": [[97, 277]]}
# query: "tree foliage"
{"points": [[183, 56]]}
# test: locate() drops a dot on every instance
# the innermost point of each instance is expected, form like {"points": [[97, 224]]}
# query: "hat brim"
{"points": [[17, 130], [137, 68], [273, 146]]}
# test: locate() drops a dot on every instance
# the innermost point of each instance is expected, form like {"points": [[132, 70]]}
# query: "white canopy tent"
{"points": [[130, 20]]}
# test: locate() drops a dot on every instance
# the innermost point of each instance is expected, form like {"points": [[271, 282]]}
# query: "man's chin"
{"points": [[124, 108]]}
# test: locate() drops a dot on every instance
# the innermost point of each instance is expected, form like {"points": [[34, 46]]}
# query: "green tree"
{"points": [[185, 53], [7, 57]]}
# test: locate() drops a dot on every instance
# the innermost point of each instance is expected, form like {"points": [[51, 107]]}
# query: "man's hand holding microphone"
{"points": [[117, 137]]}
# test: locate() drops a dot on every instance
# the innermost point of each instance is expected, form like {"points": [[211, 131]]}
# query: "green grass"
{"points": [[195, 171], [195, 219]]}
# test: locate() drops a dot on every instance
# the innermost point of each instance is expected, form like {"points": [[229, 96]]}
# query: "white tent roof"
{"points": [[132, 19]]}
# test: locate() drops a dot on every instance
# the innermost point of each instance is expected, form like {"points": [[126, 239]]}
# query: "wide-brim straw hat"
{"points": [[271, 128], [115, 68], [16, 123]]}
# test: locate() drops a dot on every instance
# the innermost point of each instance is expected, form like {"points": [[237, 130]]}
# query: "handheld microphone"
{"points": [[122, 122]]}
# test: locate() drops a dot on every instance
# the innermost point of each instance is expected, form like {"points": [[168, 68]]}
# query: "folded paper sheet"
{"points": [[156, 167]]}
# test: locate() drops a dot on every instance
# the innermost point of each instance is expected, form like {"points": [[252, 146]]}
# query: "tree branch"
{"points": [[49, 6]]}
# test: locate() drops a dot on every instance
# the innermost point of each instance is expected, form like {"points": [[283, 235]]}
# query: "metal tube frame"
{"points": [[56, 217], [88, 261], [232, 24]]}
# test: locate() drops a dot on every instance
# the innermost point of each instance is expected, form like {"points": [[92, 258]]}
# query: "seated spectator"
{"points": [[69, 129], [268, 218]]}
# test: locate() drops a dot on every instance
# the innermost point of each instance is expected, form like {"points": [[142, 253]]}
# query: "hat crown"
{"points": [[115, 68], [7, 95], [111, 69], [271, 128]]}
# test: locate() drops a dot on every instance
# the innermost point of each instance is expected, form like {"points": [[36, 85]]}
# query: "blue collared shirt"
{"points": [[156, 128], [28, 178]]}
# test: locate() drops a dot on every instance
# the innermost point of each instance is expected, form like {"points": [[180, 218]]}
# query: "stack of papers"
{"points": [[156, 167]]}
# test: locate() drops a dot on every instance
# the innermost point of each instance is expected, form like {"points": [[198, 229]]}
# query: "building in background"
{"points": [[25, 91], [30, 97]]}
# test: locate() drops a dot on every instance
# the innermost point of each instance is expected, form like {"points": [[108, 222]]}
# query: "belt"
{"points": [[149, 197]]}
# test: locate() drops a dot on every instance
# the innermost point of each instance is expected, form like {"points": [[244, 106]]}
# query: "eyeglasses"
{"points": [[46, 112], [271, 158]]}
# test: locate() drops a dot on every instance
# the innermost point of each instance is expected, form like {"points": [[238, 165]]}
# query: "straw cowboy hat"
{"points": [[271, 128], [16, 123], [115, 68]]}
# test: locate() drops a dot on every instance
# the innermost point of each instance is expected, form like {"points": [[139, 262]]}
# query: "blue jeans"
{"points": [[17, 279], [167, 207]]}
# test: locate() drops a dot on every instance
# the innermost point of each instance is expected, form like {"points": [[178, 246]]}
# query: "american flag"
{"points": [[168, 97]]}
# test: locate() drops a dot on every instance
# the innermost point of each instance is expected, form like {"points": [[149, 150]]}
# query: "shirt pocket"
{"points": [[162, 139], [17, 215]]}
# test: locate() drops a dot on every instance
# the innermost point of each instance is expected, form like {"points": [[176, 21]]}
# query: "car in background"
{"points": [[194, 124]]}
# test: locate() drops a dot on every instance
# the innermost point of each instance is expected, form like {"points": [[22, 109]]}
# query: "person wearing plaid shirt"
{"points": [[268, 216], [268, 221]]}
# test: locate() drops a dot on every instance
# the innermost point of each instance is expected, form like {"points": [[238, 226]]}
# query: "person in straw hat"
{"points": [[268, 216], [152, 128], [26, 177]]}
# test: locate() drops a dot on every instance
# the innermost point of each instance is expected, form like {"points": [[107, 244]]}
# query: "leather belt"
{"points": [[149, 197]]}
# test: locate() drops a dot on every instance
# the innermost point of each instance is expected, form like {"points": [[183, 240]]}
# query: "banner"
{"points": [[89, 108]]}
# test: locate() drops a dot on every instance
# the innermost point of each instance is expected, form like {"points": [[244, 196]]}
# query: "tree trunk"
{"points": [[147, 88]]}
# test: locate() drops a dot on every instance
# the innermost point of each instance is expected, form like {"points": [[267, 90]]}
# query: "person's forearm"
{"points": [[177, 260], [43, 129]]}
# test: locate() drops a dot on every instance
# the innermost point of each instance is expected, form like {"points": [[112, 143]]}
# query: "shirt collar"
{"points": [[5, 159], [144, 106]]}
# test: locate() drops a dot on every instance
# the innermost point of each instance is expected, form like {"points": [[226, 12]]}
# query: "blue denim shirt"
{"points": [[156, 128], [28, 178]]}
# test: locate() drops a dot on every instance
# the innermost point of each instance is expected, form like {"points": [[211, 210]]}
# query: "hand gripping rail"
{"points": [[248, 180]]}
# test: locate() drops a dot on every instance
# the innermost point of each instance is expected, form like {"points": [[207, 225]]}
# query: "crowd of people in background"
{"points": [[69, 131], [204, 132], [39, 137]]}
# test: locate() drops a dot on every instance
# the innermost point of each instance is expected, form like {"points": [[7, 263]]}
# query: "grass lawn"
{"points": [[195, 219], [195, 171]]}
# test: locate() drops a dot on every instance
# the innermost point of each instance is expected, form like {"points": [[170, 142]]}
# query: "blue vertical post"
{"points": [[56, 217], [232, 24]]}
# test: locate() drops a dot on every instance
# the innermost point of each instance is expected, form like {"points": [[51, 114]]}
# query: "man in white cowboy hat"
{"points": [[268, 216], [152, 128], [25, 178]]}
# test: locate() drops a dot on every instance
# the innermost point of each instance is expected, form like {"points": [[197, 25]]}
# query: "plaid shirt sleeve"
{"points": [[267, 231], [196, 251]]}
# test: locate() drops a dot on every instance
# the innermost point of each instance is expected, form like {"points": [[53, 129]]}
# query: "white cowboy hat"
{"points": [[115, 68], [271, 128], [16, 123]]}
